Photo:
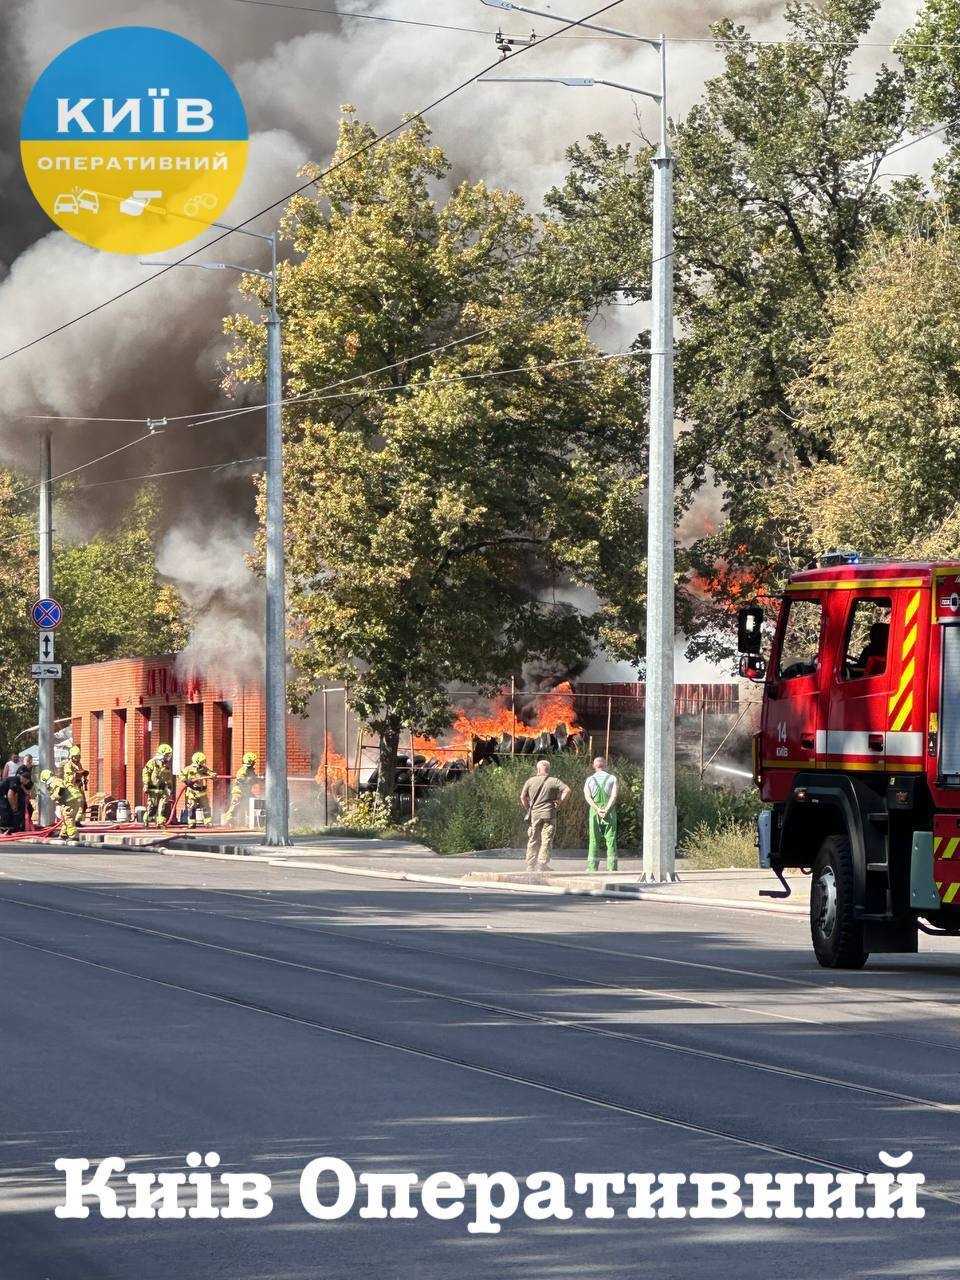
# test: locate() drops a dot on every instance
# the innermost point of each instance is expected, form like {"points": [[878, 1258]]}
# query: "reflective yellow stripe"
{"points": [[909, 640], [905, 679], [952, 891], [939, 884], [937, 842], [904, 714], [911, 609], [951, 848], [849, 584]]}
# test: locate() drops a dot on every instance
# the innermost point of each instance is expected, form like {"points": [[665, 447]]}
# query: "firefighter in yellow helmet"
{"points": [[158, 788], [75, 776], [242, 786], [68, 799], [196, 778]]}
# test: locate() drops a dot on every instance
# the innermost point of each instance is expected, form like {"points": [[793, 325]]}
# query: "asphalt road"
{"points": [[154, 1006]]}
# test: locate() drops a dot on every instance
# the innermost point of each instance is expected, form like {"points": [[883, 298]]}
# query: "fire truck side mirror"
{"points": [[750, 629], [752, 666]]}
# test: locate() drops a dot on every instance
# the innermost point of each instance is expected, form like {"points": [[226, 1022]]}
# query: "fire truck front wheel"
{"points": [[837, 936]]}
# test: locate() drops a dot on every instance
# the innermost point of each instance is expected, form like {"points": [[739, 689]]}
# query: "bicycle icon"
{"points": [[197, 205]]}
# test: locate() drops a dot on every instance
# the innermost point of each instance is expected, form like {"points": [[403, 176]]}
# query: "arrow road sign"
{"points": [[46, 646], [47, 615], [46, 670]]}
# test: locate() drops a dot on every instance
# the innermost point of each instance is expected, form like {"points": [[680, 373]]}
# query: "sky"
{"points": [[157, 353]]}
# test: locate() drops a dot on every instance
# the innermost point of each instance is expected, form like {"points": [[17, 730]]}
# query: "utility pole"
{"points": [[275, 675], [659, 781], [278, 802], [659, 768], [45, 687]]}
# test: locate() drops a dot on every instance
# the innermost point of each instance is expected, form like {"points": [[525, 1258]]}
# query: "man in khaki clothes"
{"points": [[539, 799]]}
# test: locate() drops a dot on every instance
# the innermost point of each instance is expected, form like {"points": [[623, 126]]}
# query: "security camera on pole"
{"points": [[659, 790]]}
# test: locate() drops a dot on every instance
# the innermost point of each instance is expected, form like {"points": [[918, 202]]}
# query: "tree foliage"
{"points": [[115, 603], [778, 190], [438, 504]]}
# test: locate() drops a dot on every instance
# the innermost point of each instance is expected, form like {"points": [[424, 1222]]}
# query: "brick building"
{"points": [[123, 710]]}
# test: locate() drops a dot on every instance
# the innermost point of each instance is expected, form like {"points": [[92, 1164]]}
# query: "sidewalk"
{"points": [[405, 860]]}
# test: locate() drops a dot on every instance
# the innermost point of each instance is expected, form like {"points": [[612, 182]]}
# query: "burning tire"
{"points": [[837, 936]]}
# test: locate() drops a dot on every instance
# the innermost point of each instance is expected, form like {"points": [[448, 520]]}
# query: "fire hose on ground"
{"points": [[100, 828]]}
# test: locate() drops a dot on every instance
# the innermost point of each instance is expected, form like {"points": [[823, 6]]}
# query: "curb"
{"points": [[608, 892]]}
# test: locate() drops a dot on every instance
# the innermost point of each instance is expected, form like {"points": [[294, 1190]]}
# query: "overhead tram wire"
{"points": [[222, 415], [332, 168], [188, 422], [31, 532], [488, 31], [373, 392]]}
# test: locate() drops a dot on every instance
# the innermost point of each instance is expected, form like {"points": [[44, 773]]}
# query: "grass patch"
{"points": [[732, 844], [482, 811]]}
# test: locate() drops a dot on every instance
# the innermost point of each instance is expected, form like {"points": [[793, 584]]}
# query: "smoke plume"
{"points": [[208, 568], [156, 353]]}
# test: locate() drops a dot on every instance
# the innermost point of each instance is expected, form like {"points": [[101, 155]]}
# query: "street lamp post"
{"points": [[659, 789], [277, 792]]}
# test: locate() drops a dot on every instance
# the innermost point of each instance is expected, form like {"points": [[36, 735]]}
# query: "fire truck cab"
{"points": [[858, 754]]}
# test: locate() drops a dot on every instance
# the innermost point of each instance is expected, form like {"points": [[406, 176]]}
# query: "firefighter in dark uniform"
{"points": [[242, 787], [13, 803], [196, 778]]}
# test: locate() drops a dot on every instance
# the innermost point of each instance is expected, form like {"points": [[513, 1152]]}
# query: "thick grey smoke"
{"points": [[156, 353], [207, 566]]}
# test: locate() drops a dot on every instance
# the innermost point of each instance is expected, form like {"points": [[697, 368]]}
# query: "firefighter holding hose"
{"points": [[67, 797], [195, 779], [75, 776], [242, 787], [158, 786]]}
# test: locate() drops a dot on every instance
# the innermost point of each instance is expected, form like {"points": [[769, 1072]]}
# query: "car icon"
{"points": [[66, 203], [89, 200]]}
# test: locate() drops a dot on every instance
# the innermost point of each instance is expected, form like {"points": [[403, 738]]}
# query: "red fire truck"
{"points": [[858, 756]]}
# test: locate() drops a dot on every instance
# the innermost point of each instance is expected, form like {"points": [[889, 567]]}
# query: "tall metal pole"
{"points": [[326, 764], [659, 780], [46, 687], [277, 797]]}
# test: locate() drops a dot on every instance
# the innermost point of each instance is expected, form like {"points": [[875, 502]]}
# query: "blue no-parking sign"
{"points": [[47, 615]]}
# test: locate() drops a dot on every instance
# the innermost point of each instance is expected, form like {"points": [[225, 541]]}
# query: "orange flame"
{"points": [[556, 709], [551, 710], [332, 765], [430, 749]]}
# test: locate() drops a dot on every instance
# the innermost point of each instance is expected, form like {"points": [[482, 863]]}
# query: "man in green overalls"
{"points": [[600, 793]]}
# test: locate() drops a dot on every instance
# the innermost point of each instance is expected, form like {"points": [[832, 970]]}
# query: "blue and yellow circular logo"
{"points": [[134, 140]]}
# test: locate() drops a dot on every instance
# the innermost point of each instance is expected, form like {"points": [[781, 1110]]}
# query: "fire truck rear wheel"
{"points": [[837, 936]]}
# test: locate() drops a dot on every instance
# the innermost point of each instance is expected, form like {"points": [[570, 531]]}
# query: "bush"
{"points": [[365, 814], [482, 811], [731, 844]]}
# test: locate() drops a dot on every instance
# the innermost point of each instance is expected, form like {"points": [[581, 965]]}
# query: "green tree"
{"points": [[18, 694], [885, 390], [778, 189], [434, 502], [115, 604], [930, 52]]}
